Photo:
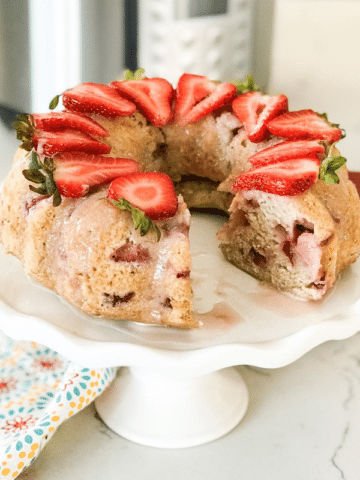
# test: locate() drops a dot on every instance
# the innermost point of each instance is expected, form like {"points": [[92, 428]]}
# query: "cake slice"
{"points": [[288, 227], [298, 244], [88, 251]]}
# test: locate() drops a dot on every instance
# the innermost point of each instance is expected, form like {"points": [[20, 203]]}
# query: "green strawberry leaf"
{"points": [[138, 218], [42, 174], [141, 222], [329, 167], [336, 162], [41, 190], [54, 102], [248, 85], [34, 162], [50, 185], [48, 165], [136, 75], [56, 198], [330, 178], [34, 176], [25, 129]]}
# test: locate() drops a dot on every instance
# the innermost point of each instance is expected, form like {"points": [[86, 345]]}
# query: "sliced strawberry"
{"points": [[292, 177], [151, 192], [288, 151], [76, 172], [57, 121], [254, 110], [304, 124], [197, 96], [97, 98], [152, 96], [49, 143]]}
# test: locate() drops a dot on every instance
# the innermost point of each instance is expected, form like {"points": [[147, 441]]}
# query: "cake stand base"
{"points": [[161, 411]]}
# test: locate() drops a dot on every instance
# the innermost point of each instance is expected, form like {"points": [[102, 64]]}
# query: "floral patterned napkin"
{"points": [[39, 389]]}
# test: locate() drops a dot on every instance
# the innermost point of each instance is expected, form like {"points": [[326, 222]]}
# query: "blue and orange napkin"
{"points": [[39, 390]]}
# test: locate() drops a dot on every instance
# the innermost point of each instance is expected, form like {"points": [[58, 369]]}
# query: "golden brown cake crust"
{"points": [[134, 137], [342, 202]]}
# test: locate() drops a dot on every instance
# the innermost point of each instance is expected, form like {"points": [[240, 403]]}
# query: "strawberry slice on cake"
{"points": [[98, 99], [76, 173], [289, 150], [50, 143], [288, 178], [58, 121], [56, 132], [197, 96], [151, 192], [304, 124], [255, 110], [152, 96]]}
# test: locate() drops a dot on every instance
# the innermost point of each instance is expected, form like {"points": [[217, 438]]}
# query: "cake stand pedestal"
{"points": [[164, 411]]}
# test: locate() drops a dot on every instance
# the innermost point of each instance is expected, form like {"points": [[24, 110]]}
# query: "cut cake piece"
{"points": [[298, 244], [88, 251]]}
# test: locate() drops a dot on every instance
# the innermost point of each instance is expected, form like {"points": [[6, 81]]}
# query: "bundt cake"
{"points": [[96, 203]]}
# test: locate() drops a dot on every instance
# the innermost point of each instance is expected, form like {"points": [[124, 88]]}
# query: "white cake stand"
{"points": [[180, 388]]}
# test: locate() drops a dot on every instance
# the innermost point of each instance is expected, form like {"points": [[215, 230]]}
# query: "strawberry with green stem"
{"points": [[55, 132], [294, 149], [151, 192], [74, 174]]}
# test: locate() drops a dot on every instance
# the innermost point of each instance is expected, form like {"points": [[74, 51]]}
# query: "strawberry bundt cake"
{"points": [[96, 204]]}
